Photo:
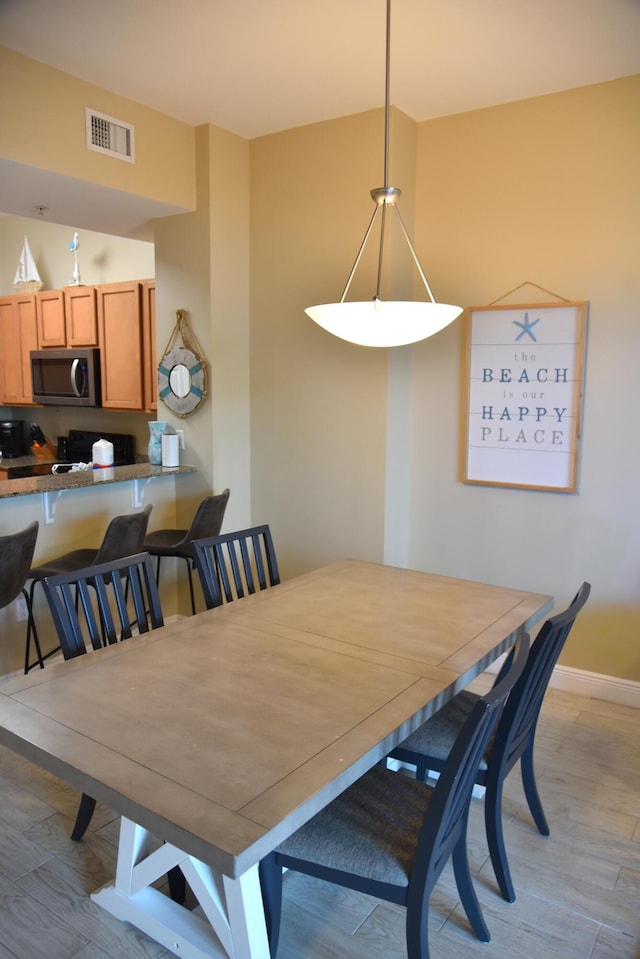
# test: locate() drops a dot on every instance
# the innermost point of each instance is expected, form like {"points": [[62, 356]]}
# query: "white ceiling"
{"points": [[258, 66]]}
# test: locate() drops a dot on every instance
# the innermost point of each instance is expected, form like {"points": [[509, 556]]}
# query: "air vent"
{"points": [[113, 137]]}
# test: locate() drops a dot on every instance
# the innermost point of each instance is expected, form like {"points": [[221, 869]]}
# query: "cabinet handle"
{"points": [[74, 378]]}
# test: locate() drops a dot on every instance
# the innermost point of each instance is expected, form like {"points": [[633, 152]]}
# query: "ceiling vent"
{"points": [[113, 137]]}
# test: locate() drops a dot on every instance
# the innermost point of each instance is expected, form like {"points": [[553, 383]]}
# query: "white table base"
{"points": [[228, 923]]}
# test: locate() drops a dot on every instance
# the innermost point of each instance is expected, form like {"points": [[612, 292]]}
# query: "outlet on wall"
{"points": [[22, 613], [180, 434]]}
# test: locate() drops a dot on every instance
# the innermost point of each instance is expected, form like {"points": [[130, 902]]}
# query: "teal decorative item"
{"points": [[182, 377], [156, 429]]}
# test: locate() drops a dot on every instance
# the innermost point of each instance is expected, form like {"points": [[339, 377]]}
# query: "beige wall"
{"points": [[318, 405], [42, 123], [544, 190], [202, 266]]}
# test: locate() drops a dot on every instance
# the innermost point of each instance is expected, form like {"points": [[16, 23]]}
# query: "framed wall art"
{"points": [[522, 386]]}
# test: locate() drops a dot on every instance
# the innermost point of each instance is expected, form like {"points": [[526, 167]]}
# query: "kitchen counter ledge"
{"points": [[53, 485]]}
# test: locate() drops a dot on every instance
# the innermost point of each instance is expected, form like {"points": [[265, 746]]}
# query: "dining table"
{"points": [[218, 735]]}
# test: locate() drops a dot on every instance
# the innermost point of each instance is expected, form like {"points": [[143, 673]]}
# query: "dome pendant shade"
{"points": [[379, 322], [383, 322]]}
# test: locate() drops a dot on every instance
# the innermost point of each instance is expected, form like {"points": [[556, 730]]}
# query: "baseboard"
{"points": [[611, 689]]}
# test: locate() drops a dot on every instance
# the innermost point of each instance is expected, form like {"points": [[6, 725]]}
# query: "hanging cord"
{"points": [[529, 283], [187, 336]]}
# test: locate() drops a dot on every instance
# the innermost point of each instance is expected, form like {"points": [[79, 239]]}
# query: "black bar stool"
{"points": [[177, 542], [16, 555]]}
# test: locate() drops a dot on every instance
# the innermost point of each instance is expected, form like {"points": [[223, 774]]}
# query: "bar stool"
{"points": [[16, 555], [123, 537], [177, 542]]}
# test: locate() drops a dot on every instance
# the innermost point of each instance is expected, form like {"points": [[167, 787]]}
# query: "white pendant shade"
{"points": [[383, 322], [377, 322]]}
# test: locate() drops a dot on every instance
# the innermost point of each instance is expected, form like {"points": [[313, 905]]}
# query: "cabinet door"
{"points": [[149, 345], [18, 336], [81, 316], [50, 319], [120, 339]]}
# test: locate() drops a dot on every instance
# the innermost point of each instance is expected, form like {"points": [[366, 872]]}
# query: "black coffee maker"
{"points": [[12, 439]]}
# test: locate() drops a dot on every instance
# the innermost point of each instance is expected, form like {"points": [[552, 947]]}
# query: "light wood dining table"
{"points": [[218, 735]]}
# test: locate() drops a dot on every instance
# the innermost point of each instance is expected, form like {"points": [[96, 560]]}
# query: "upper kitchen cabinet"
{"points": [[50, 318], [80, 316], [148, 288], [119, 318], [18, 336], [121, 345], [67, 318]]}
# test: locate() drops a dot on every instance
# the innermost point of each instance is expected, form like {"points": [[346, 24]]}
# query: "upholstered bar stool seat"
{"points": [[123, 537], [177, 542]]}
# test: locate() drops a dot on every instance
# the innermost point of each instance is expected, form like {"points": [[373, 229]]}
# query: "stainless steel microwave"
{"points": [[66, 377]]}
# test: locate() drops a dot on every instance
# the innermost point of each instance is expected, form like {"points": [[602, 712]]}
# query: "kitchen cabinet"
{"points": [[18, 336], [119, 318], [67, 318], [81, 316], [121, 345], [150, 362], [50, 319]]}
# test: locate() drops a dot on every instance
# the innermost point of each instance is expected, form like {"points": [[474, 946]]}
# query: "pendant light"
{"points": [[379, 322]]}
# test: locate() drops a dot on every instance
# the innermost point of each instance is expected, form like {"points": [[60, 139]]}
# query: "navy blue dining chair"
{"points": [[233, 565], [429, 746], [390, 836], [123, 537]]}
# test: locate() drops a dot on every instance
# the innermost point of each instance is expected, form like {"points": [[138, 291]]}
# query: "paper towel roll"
{"points": [[102, 454], [170, 450]]}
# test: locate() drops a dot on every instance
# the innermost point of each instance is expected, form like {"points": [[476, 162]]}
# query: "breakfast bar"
{"points": [[278, 702], [51, 485], [73, 510]]}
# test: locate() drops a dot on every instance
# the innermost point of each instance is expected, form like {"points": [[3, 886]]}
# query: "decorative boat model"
{"points": [[27, 278]]}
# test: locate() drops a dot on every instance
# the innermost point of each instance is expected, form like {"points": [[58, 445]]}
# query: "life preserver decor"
{"points": [[182, 379]]}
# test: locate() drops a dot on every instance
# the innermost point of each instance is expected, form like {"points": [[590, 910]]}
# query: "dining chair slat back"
{"points": [[91, 605], [236, 564], [390, 836], [428, 747], [123, 537]]}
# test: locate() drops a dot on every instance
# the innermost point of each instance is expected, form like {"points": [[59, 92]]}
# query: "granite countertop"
{"points": [[57, 482], [29, 459]]}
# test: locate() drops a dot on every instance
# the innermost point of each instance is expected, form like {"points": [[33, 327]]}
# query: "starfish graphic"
{"points": [[527, 327]]}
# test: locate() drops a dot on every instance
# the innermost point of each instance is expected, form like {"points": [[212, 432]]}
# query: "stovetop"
{"points": [[80, 450], [80, 446]]}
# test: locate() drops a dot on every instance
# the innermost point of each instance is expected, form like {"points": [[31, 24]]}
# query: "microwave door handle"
{"points": [[74, 378]]}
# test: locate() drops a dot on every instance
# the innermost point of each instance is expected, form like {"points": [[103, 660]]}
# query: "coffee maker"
{"points": [[12, 439]]}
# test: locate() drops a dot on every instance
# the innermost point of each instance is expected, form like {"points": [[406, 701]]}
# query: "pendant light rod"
{"points": [[414, 254], [387, 88], [360, 252], [376, 322], [387, 110]]}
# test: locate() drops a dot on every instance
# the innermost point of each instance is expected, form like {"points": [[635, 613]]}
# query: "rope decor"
{"points": [[182, 380], [556, 296]]}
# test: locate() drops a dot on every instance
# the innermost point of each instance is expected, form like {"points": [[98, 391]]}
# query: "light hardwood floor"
{"points": [[578, 890]]}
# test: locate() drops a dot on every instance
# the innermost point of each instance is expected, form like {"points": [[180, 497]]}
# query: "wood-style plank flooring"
{"points": [[578, 890]]}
